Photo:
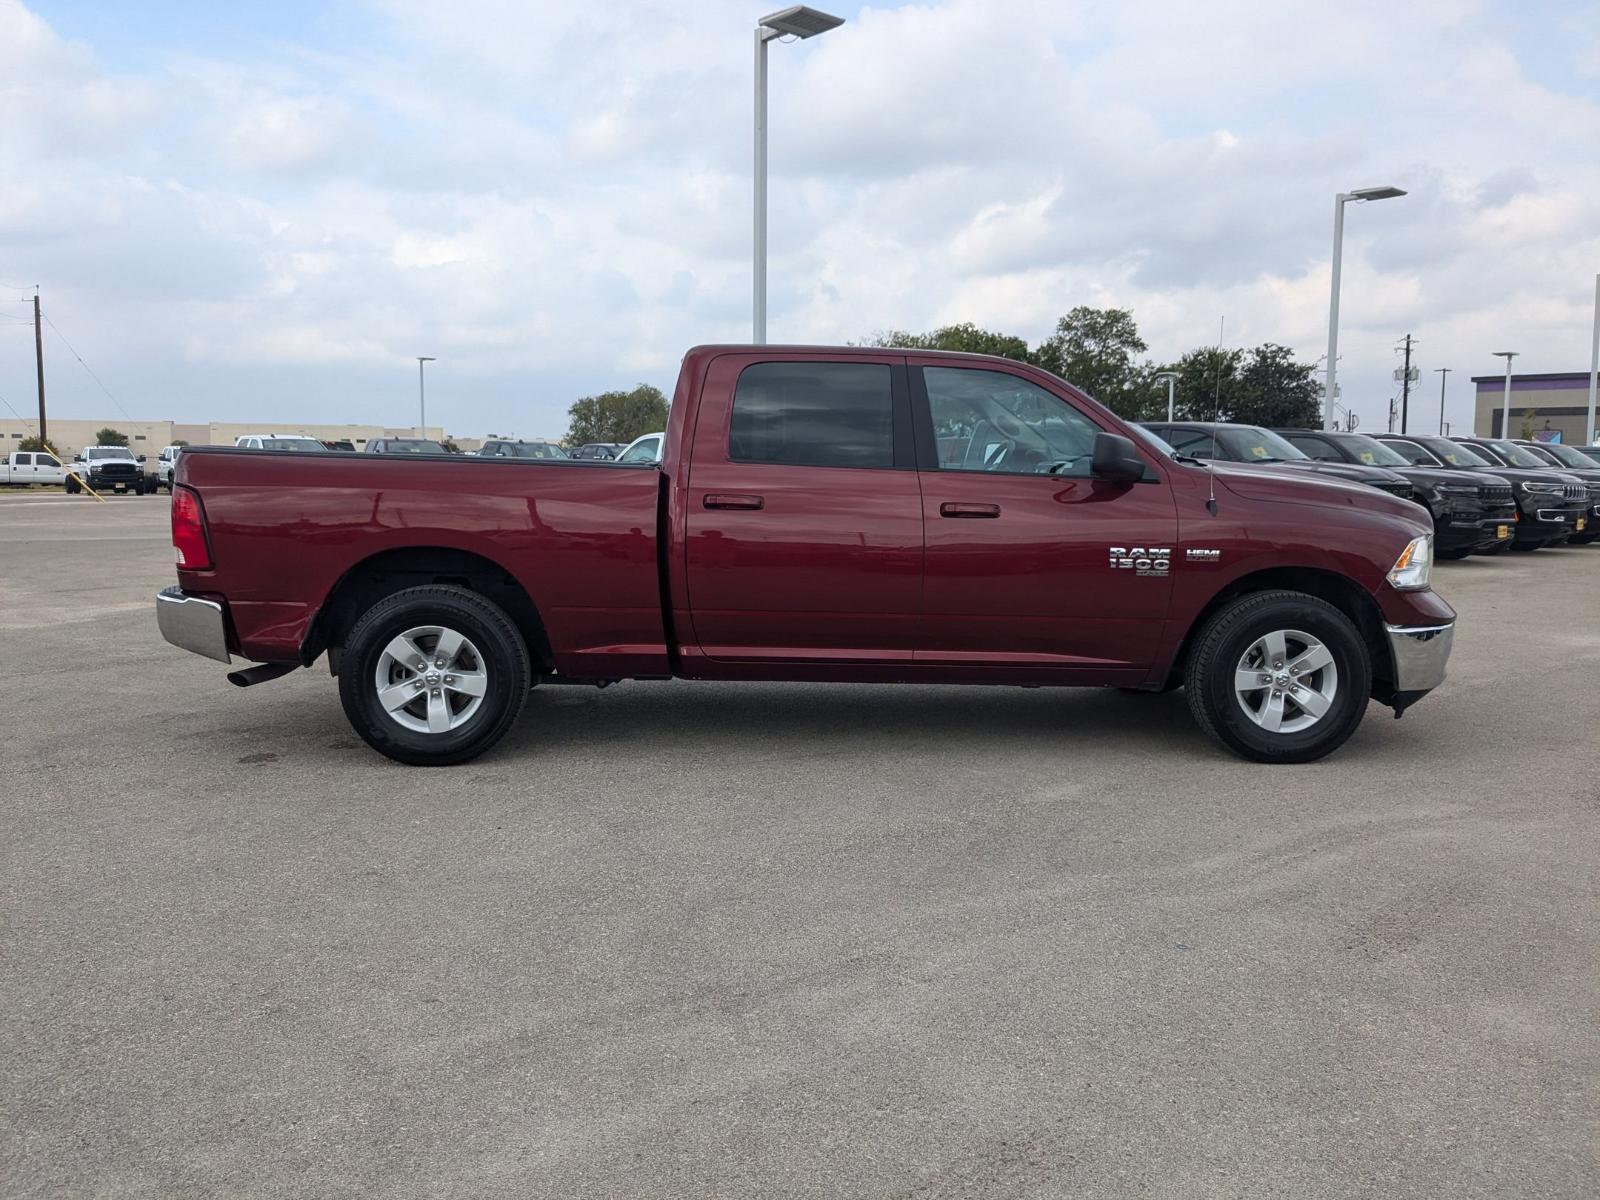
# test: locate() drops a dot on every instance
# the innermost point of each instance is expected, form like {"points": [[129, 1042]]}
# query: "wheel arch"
{"points": [[1338, 590], [398, 568]]}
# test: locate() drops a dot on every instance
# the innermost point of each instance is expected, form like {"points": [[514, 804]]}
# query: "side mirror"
{"points": [[142, 458], [1115, 459]]}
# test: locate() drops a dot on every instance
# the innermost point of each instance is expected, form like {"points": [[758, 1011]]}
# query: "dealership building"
{"points": [[1556, 403]]}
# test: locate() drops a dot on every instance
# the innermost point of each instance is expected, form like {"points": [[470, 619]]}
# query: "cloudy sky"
{"points": [[265, 210]]}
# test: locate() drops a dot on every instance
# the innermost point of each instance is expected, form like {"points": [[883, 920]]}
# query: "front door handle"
{"points": [[732, 500], [951, 508]]}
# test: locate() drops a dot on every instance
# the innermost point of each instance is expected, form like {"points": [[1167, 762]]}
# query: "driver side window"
{"points": [[992, 421]]}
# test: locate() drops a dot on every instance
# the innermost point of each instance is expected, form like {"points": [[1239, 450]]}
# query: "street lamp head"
{"points": [[800, 21], [1508, 355], [1377, 193], [426, 358], [1165, 375]]}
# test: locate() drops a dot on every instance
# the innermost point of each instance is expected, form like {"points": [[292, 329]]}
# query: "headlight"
{"points": [[1413, 570], [1543, 489]]}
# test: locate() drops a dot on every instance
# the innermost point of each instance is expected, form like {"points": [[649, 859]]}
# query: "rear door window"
{"points": [[814, 414]]}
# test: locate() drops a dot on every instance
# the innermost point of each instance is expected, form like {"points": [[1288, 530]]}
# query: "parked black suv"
{"points": [[1546, 508], [1573, 489], [1469, 513], [1253, 444], [1573, 462]]}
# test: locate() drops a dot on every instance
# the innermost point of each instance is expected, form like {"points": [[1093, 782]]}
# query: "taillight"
{"points": [[189, 531]]}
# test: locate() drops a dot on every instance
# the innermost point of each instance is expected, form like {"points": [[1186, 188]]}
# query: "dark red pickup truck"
{"points": [[817, 514]]}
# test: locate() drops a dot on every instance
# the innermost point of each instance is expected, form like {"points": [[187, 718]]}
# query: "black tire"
{"points": [[485, 625], [73, 487], [1223, 641]]}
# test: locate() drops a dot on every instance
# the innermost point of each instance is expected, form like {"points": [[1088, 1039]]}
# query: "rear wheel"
{"points": [[433, 675], [73, 487], [1279, 677]]}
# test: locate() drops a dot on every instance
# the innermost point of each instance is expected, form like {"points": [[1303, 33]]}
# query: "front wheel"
{"points": [[1279, 677], [433, 675]]}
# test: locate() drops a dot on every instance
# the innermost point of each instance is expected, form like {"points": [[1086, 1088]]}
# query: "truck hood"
{"points": [[1319, 488]]}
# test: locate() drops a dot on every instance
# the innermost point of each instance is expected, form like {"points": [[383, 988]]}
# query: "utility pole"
{"points": [[38, 361], [1444, 374], [1405, 387]]}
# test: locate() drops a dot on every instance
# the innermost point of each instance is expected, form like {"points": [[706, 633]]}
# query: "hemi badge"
{"points": [[1202, 555]]}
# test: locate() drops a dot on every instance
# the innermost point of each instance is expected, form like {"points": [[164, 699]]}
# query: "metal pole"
{"points": [[1443, 373], [1505, 410], [1594, 362], [422, 402], [39, 364], [1333, 311], [1405, 387], [758, 308], [1170, 382]]}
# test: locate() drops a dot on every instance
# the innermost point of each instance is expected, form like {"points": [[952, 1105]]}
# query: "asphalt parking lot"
{"points": [[779, 940]]}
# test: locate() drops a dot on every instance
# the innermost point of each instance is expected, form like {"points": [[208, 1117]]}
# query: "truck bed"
{"points": [[580, 538]]}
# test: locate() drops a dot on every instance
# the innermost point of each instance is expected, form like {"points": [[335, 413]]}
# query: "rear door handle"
{"points": [[732, 500], [951, 508]]}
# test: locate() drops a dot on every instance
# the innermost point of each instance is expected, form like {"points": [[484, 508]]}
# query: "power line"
{"points": [[87, 367]]}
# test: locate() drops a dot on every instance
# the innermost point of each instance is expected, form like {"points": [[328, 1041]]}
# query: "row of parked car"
{"points": [[646, 448], [1485, 495]]}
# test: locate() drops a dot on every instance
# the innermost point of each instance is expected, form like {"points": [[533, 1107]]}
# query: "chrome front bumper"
{"points": [[1420, 653], [197, 625]]}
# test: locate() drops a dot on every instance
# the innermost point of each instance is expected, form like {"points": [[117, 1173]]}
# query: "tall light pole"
{"points": [[1443, 373], [422, 396], [1171, 378], [800, 22], [1594, 361], [1505, 419], [1339, 201]]}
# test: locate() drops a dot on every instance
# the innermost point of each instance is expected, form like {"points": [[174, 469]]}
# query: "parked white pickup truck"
{"points": [[110, 469], [165, 464], [26, 467]]}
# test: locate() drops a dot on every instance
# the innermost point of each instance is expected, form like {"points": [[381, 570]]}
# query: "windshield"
{"points": [[1154, 440], [643, 451], [1592, 452], [1251, 443], [540, 450], [1458, 455], [1373, 452], [288, 443], [413, 446], [98, 453], [1517, 456], [1567, 456], [1412, 452]]}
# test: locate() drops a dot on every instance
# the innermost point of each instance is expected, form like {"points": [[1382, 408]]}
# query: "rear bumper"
{"points": [[198, 626], [1420, 653]]}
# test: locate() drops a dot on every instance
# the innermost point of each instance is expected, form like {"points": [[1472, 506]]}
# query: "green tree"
{"points": [[1095, 349], [1208, 379], [1274, 390], [110, 437], [966, 337], [31, 443], [179, 442], [617, 416]]}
